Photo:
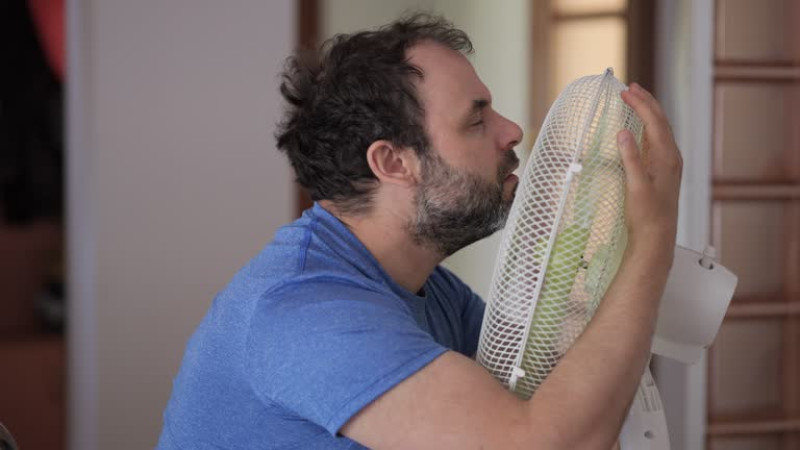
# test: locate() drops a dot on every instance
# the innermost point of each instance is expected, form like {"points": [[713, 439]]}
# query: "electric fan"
{"points": [[562, 245]]}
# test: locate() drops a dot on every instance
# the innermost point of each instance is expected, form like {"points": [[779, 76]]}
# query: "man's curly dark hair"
{"points": [[359, 88]]}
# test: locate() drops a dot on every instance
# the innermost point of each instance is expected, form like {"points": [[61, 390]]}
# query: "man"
{"points": [[344, 332]]}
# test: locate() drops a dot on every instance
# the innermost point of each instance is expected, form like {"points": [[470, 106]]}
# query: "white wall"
{"points": [[174, 183], [500, 33], [346, 16]]}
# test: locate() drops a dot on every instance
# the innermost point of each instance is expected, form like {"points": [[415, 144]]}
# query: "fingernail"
{"points": [[623, 138]]}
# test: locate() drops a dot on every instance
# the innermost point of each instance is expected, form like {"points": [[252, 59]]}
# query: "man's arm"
{"points": [[455, 403]]}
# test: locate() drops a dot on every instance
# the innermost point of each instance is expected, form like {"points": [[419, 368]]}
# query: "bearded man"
{"points": [[344, 332]]}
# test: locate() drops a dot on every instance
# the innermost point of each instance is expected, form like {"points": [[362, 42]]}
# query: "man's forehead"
{"points": [[447, 72]]}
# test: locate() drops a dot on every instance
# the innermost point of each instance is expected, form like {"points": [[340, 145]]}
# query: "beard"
{"points": [[456, 208]]}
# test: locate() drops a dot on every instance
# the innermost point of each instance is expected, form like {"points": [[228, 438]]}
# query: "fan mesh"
{"points": [[564, 238]]}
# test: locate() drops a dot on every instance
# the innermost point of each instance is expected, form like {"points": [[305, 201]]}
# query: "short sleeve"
{"points": [[324, 351]]}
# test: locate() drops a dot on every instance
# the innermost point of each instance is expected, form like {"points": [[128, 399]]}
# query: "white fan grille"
{"points": [[564, 238]]}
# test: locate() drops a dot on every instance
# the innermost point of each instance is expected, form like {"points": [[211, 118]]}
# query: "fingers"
{"points": [[653, 181], [635, 173], [658, 133], [648, 109]]}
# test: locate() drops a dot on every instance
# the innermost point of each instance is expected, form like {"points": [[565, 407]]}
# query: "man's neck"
{"points": [[385, 234]]}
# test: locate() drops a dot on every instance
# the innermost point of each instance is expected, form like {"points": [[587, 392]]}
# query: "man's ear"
{"points": [[392, 164]]}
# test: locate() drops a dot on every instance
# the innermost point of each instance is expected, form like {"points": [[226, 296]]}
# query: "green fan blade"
{"points": [[551, 308]]}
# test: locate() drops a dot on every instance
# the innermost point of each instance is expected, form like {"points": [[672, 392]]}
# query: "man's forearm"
{"points": [[591, 388]]}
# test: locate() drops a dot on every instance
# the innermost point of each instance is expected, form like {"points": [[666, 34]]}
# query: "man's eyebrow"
{"points": [[477, 106]]}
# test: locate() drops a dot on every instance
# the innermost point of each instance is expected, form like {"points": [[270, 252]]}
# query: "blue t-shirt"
{"points": [[306, 335]]}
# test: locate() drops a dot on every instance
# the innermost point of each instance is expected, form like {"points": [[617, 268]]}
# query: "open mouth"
{"points": [[506, 170], [510, 171], [511, 163]]}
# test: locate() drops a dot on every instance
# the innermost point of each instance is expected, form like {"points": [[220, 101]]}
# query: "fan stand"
{"points": [[645, 427], [693, 305]]}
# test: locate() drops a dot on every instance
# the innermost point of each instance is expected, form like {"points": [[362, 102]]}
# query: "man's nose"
{"points": [[512, 134]]}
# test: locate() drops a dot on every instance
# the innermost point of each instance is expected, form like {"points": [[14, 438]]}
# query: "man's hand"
{"points": [[653, 179]]}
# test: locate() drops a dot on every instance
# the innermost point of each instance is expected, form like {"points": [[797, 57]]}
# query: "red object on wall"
{"points": [[48, 17]]}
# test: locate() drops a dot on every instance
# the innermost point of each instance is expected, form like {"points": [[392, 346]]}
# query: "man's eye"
{"points": [[477, 124]]}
